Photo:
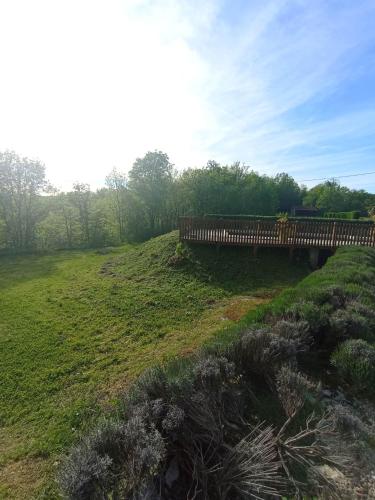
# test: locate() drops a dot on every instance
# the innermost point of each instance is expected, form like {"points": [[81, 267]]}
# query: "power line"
{"points": [[336, 177]]}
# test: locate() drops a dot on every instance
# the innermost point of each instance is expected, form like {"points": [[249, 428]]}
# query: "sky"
{"points": [[281, 86]]}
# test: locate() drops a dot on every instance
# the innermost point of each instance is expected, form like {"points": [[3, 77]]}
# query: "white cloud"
{"points": [[89, 84]]}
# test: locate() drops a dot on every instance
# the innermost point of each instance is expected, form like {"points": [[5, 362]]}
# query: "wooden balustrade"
{"points": [[264, 232]]}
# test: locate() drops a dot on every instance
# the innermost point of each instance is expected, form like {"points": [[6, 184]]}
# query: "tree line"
{"points": [[145, 202]]}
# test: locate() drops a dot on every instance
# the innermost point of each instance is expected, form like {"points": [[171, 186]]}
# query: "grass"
{"points": [[77, 327]]}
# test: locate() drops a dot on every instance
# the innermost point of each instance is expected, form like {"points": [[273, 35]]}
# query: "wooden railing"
{"points": [[265, 232]]}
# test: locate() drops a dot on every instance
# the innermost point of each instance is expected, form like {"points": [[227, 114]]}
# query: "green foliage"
{"points": [[21, 181], [226, 189], [316, 316], [78, 326], [151, 179], [146, 203], [288, 191], [355, 214], [336, 301], [228, 388], [355, 361], [331, 197], [353, 322], [282, 217]]}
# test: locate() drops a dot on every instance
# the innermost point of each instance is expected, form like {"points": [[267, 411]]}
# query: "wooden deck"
{"points": [[272, 233]]}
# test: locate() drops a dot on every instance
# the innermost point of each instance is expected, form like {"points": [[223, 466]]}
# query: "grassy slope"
{"points": [[76, 327]]}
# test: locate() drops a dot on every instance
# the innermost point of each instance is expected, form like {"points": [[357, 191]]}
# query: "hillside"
{"points": [[76, 327], [279, 406]]}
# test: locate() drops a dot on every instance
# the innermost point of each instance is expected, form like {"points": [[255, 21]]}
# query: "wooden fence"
{"points": [[289, 233]]}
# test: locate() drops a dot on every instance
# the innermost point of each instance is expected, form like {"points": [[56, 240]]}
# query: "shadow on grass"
{"points": [[236, 269], [18, 269]]}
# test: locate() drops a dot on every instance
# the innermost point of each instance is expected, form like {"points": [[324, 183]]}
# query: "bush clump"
{"points": [[261, 352], [116, 459], [355, 361], [295, 331], [293, 389], [350, 323], [313, 315]]}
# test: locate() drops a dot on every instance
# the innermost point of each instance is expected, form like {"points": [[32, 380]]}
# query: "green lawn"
{"points": [[76, 327]]}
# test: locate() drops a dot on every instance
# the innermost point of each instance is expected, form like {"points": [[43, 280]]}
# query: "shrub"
{"points": [[346, 422], [334, 295], [212, 372], [251, 469], [293, 390], [152, 384], [355, 214], [317, 318], [355, 361], [261, 352], [85, 474], [349, 323], [181, 255], [114, 460], [295, 331]]}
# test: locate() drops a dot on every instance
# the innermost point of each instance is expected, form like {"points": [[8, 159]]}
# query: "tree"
{"points": [[331, 197], [213, 189], [81, 199], [288, 192], [151, 178], [117, 185], [21, 181]]}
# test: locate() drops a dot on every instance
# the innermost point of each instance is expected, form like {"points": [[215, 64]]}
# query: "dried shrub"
{"points": [[293, 390], [116, 459], [261, 352], [303, 452], [173, 419], [212, 372], [85, 474], [251, 468], [295, 331], [346, 422]]}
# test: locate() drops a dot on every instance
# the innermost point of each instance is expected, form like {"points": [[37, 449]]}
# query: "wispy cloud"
{"points": [[295, 55], [91, 84]]}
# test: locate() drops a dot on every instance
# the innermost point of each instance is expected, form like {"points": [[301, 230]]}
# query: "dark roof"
{"points": [[310, 209]]}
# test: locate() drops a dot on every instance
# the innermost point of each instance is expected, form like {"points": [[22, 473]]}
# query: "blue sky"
{"points": [[283, 85]]}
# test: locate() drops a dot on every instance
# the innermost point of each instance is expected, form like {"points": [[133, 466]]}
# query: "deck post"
{"points": [[314, 257], [255, 251]]}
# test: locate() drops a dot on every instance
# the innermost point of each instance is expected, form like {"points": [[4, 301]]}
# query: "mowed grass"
{"points": [[77, 327]]}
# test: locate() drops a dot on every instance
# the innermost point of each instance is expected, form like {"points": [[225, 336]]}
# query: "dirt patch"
{"points": [[239, 306], [20, 479]]}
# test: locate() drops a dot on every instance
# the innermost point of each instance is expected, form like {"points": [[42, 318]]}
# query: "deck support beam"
{"points": [[314, 257], [255, 252], [291, 253]]}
